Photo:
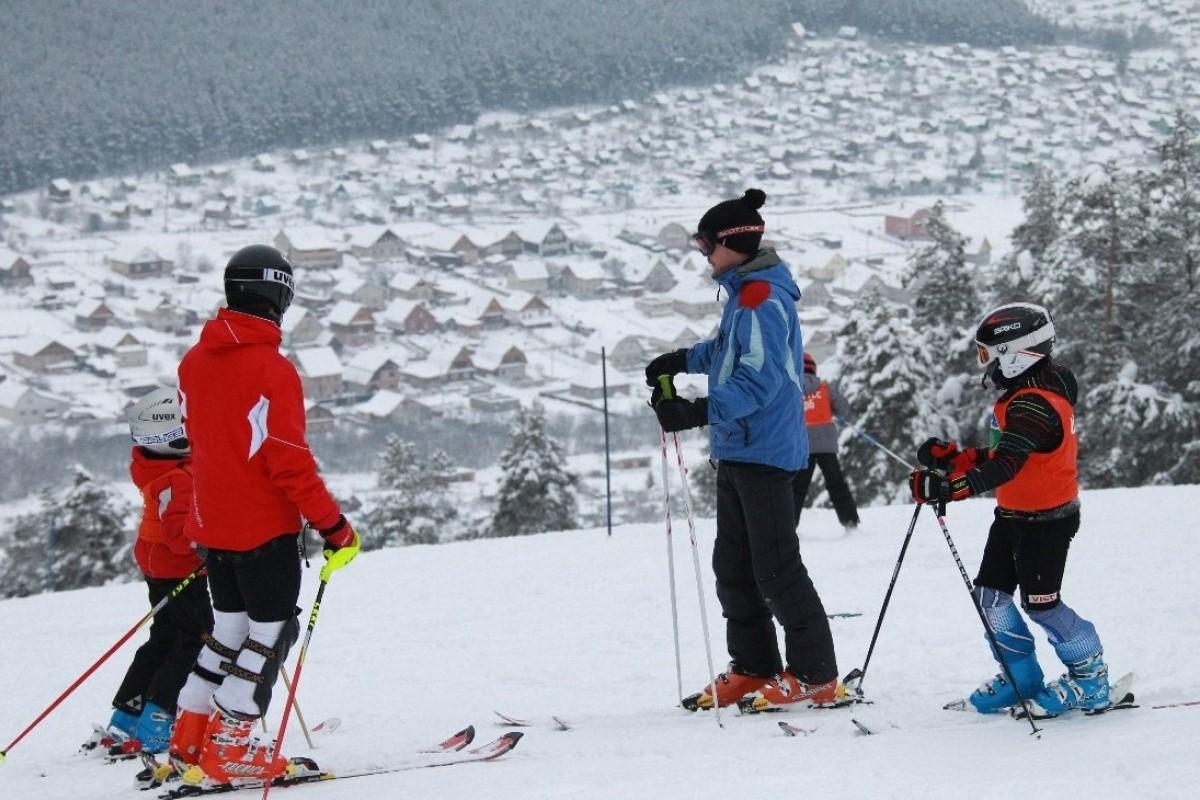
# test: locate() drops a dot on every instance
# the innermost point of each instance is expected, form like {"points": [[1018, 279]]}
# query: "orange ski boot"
{"points": [[785, 690], [731, 687], [231, 756]]}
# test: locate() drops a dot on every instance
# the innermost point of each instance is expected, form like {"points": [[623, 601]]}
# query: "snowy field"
{"points": [[414, 643]]}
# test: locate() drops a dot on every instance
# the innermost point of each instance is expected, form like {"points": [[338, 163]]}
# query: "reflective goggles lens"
{"points": [[705, 242], [985, 354]]}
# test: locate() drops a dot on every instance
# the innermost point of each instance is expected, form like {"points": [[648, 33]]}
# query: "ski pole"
{"points": [[940, 513], [179, 587], [687, 507], [296, 704], [872, 440], [854, 678], [671, 569]]}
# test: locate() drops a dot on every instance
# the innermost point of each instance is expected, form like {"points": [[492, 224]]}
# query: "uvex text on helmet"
{"points": [[1014, 337], [155, 423], [258, 280]]}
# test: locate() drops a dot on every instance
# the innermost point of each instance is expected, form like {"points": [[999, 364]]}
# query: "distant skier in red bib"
{"points": [[822, 404]]}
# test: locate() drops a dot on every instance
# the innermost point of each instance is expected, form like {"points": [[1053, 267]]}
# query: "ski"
{"points": [[558, 722], [862, 729], [844, 615], [327, 726], [302, 770], [794, 730], [1182, 704]]}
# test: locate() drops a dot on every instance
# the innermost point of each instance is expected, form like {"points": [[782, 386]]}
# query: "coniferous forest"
{"points": [[94, 89]]}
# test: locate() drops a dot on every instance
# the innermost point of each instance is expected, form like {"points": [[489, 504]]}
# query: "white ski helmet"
{"points": [[1014, 337], [156, 423]]}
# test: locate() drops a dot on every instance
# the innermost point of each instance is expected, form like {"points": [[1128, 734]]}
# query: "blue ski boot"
{"points": [[1016, 645], [154, 729], [998, 694], [1083, 686], [119, 729]]}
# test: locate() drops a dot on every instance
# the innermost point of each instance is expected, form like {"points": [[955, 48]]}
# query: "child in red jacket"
{"points": [[144, 705]]}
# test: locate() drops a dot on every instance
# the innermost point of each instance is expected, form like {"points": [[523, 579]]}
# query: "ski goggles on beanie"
{"points": [[706, 241]]}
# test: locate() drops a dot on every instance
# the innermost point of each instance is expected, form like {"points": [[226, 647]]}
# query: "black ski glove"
{"points": [[667, 364], [678, 414]]}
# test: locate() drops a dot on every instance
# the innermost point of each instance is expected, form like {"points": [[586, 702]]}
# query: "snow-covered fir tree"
{"points": [[889, 378], [946, 309], [1042, 223], [80, 536], [413, 507], [537, 492]]}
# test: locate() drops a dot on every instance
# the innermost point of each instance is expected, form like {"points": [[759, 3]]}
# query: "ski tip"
{"points": [[560, 724], [862, 729], [507, 720], [957, 705], [327, 725]]}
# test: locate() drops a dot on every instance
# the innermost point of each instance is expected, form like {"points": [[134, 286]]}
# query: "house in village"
{"points": [[493, 315], [446, 242], [504, 360], [409, 317], [674, 236], [407, 286], [24, 405], [159, 313], [143, 262], [526, 275], [911, 227], [446, 364], [359, 290], [371, 371], [14, 270], [543, 238], [534, 313], [299, 326], [376, 244], [582, 279], [352, 323], [59, 191], [38, 353], [320, 372], [310, 247], [126, 349], [318, 418], [180, 174], [92, 314]]}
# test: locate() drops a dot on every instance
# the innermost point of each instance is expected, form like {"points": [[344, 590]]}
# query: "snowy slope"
{"points": [[414, 643]]}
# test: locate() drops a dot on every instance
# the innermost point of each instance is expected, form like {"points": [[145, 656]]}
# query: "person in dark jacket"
{"points": [[1031, 464], [754, 406], [823, 403]]}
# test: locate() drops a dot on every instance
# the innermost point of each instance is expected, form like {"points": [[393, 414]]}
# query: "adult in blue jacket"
{"points": [[755, 413]]}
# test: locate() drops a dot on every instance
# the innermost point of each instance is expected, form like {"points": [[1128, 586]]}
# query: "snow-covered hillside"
{"points": [[414, 643]]}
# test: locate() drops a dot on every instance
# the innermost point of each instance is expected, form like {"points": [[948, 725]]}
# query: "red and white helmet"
{"points": [[1014, 337]]}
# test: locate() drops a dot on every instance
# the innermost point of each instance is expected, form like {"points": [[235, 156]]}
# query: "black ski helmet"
{"points": [[258, 280], [1012, 338]]}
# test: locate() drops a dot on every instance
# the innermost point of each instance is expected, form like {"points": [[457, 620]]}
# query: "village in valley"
{"points": [[467, 272]]}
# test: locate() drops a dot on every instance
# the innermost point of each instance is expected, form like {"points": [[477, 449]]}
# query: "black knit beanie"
{"points": [[736, 224]]}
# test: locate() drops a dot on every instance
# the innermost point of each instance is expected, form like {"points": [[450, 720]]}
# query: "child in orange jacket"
{"points": [[144, 705]]}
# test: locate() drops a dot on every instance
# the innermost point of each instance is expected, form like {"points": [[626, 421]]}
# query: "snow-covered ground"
{"points": [[414, 643]]}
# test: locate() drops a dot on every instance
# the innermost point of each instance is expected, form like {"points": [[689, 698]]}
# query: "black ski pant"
{"points": [[1031, 553], [835, 484], [263, 582], [161, 665], [756, 559]]}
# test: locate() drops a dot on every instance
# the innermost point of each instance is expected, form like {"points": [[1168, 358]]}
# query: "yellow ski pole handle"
{"points": [[667, 384]]}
